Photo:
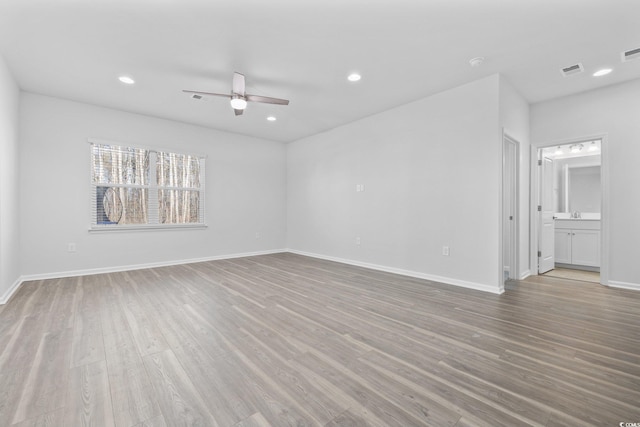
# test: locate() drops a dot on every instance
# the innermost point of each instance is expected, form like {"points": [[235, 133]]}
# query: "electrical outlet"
{"points": [[357, 241], [445, 250], [71, 247], [257, 234], [359, 188]]}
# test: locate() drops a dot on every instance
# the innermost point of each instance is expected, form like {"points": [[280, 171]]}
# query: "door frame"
{"points": [[514, 224], [604, 203]]}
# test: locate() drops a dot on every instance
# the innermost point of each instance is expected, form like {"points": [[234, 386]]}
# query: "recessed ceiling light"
{"points": [[602, 72], [354, 77], [126, 80], [271, 118]]}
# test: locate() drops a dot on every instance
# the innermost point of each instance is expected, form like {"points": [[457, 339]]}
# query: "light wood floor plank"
{"points": [[133, 398], [255, 420], [153, 422], [88, 343], [180, 402], [46, 385], [287, 340], [89, 398], [50, 419]]}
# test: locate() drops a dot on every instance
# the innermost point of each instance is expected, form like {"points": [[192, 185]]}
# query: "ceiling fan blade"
{"points": [[238, 112], [238, 83], [206, 93], [266, 99]]}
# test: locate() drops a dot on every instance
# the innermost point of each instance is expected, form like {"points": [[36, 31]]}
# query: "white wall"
{"points": [[613, 111], [245, 190], [514, 119], [431, 171], [9, 175]]}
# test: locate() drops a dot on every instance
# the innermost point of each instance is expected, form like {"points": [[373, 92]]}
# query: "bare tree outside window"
{"points": [[125, 179], [178, 188]]}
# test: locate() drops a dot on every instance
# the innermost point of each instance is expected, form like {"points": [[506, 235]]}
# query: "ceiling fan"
{"points": [[238, 96]]}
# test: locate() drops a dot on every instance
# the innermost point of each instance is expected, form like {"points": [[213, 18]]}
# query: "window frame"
{"points": [[152, 189]]}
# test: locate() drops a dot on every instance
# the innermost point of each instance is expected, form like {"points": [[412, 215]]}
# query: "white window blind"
{"points": [[144, 188]]}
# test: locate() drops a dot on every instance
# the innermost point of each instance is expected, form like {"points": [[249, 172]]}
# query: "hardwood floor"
{"points": [[285, 340], [580, 275]]}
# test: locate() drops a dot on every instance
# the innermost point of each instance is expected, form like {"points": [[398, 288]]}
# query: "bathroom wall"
{"points": [[611, 111]]}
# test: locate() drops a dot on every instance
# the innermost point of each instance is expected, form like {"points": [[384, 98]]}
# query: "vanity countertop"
{"points": [[577, 224]]}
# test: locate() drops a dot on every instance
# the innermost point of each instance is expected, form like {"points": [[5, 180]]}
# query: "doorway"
{"points": [[510, 217], [571, 209]]}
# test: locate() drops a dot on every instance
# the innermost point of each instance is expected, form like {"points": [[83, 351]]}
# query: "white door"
{"points": [[509, 200], [547, 228]]}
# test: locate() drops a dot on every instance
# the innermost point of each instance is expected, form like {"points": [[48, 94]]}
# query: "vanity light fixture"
{"points": [[272, 118], [576, 148], [593, 146], [558, 151], [354, 77]]}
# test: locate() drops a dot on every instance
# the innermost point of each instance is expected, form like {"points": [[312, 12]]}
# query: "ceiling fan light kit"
{"points": [[238, 103], [239, 97]]}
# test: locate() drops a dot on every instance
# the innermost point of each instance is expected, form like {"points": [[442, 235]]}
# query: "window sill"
{"points": [[136, 228]]}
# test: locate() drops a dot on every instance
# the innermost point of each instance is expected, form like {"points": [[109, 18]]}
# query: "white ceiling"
{"points": [[303, 50]]}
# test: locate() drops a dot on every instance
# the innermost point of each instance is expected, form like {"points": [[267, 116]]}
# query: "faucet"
{"points": [[576, 215]]}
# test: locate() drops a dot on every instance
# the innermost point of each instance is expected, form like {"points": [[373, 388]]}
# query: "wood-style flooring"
{"points": [[286, 340], [581, 275]]}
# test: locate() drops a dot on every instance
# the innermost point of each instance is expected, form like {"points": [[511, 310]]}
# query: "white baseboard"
{"points": [[103, 270], [417, 275], [525, 274], [7, 295], [624, 285]]}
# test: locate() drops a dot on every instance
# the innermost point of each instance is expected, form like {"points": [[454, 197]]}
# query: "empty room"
{"points": [[319, 213]]}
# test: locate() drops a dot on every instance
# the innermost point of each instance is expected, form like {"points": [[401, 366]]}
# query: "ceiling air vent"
{"points": [[196, 96], [572, 69], [630, 55]]}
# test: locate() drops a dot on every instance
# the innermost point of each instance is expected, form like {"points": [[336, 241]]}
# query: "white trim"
{"points": [[12, 290], [525, 274], [624, 285], [515, 239], [90, 271], [445, 280], [143, 147], [146, 227], [152, 187], [418, 275], [604, 188]]}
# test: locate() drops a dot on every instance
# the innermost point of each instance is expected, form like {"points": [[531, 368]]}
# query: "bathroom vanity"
{"points": [[577, 243]]}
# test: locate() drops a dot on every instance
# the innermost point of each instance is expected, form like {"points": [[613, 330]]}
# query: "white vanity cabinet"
{"points": [[577, 242]]}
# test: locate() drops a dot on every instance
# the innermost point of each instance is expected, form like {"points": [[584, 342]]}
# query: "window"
{"points": [[144, 188]]}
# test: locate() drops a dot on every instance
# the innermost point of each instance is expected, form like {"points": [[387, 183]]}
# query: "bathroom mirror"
{"points": [[584, 189], [577, 185]]}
